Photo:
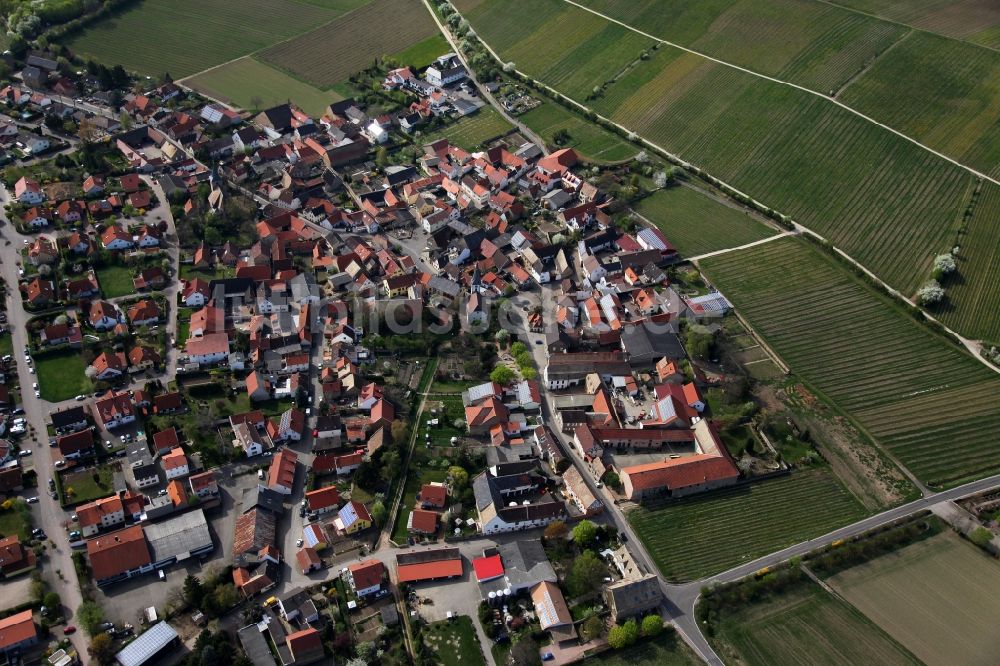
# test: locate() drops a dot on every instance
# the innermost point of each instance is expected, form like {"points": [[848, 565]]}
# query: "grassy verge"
{"points": [[454, 642]]}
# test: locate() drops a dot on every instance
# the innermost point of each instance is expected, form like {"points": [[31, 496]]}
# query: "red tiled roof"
{"points": [[366, 574], [282, 470], [433, 495], [118, 552], [407, 573], [681, 472], [91, 513], [16, 629], [488, 568], [323, 498], [423, 521], [307, 558]]}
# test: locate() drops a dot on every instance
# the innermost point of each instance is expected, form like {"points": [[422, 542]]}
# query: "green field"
{"points": [[115, 281], [977, 21], [454, 642], [804, 626], [972, 301], [908, 388], [813, 44], [709, 533], [186, 36], [887, 202], [61, 375], [88, 485], [14, 522], [251, 84], [471, 131], [332, 52], [667, 649], [937, 597], [695, 223], [424, 52], [591, 141], [943, 92]]}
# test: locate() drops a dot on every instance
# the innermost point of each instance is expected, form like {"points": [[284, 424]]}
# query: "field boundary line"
{"points": [[864, 70], [265, 48], [859, 114], [745, 246], [971, 346], [855, 10]]}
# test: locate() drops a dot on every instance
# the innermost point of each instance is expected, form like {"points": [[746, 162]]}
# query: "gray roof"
{"points": [[147, 645], [525, 564], [179, 537], [255, 646], [265, 498], [644, 346], [632, 597]]}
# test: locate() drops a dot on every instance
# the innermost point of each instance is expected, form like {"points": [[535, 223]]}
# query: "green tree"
{"points": [[981, 536], [90, 615], [102, 649], [556, 530], [592, 627], [584, 533], [622, 635], [226, 596], [529, 373], [52, 601], [193, 591], [502, 375], [381, 158], [652, 625], [459, 477], [586, 574], [518, 348], [379, 513]]}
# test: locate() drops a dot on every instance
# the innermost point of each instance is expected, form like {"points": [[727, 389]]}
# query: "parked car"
{"points": [[81, 398], [31, 500], [69, 630], [24, 453]]}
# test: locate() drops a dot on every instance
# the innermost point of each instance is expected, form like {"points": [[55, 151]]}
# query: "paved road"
{"points": [[526, 131], [47, 513]]}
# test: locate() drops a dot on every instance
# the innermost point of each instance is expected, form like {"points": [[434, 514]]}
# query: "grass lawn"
{"points": [[416, 477], [471, 131], [252, 84], [13, 522], [593, 142], [708, 533], [189, 272], [450, 408], [805, 625], [695, 223], [451, 386], [87, 485], [454, 642], [6, 344], [667, 649], [115, 281], [61, 375], [424, 52]]}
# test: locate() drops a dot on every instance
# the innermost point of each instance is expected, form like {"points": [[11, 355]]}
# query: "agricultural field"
{"points": [[816, 45], [251, 84], [944, 93], [695, 223], [887, 202], [593, 142], [713, 532], [976, 21], [861, 351], [472, 131], [423, 52], [937, 597], [564, 46], [332, 52], [186, 36], [973, 302], [804, 625]]}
